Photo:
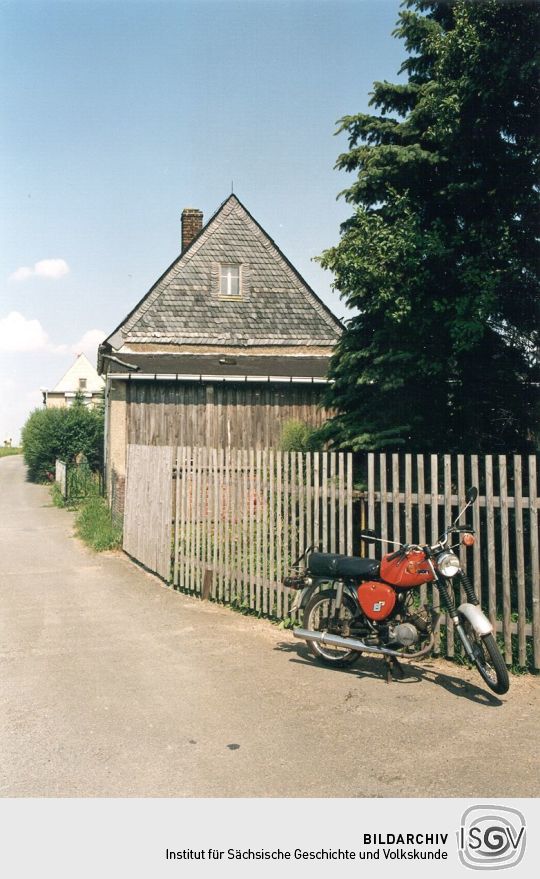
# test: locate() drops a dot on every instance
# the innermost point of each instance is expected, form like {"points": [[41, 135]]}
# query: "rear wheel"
{"points": [[489, 662], [321, 616]]}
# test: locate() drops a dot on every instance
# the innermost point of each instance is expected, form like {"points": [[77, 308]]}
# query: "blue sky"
{"points": [[116, 115]]}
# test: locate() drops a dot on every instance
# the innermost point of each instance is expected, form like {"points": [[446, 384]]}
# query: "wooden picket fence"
{"points": [[410, 498], [228, 524]]}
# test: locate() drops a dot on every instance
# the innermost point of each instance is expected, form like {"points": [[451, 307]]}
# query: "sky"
{"points": [[117, 114]]}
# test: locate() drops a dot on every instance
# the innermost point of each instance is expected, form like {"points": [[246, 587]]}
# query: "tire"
{"points": [[317, 618], [489, 662]]}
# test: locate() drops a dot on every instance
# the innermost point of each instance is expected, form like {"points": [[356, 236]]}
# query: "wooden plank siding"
{"points": [[193, 414]]}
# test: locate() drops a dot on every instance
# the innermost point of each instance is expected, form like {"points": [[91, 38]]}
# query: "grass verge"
{"points": [[95, 526], [9, 450]]}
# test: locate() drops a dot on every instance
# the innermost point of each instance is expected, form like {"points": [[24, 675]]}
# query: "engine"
{"points": [[404, 634], [413, 625]]}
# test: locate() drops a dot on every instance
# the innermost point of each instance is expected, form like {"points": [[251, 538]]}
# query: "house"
{"points": [[81, 378], [227, 345]]}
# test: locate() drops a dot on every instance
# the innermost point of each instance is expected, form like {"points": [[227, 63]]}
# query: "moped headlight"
{"points": [[448, 564]]}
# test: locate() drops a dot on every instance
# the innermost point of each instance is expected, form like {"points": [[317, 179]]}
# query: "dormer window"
{"points": [[229, 281]]}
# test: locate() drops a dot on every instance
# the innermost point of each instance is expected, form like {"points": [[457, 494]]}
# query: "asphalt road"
{"points": [[114, 686]]}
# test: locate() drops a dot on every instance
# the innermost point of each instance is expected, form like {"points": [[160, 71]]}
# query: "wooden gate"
{"points": [[148, 507]]}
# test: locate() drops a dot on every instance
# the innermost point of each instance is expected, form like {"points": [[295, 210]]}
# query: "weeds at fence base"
{"points": [[96, 526]]}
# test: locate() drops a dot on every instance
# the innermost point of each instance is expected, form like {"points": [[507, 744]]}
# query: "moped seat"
{"points": [[327, 564]]}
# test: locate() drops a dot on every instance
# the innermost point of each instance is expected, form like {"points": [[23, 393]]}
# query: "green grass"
{"points": [[57, 497], [9, 450], [95, 526]]}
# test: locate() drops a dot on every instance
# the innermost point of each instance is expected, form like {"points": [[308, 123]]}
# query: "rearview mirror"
{"points": [[472, 494]]}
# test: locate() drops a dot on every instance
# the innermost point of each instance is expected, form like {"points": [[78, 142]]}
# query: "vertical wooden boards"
{"points": [[505, 558], [533, 528], [371, 501], [324, 501], [264, 530], [342, 536], [148, 507], [447, 521], [490, 530], [477, 550], [421, 497], [280, 555], [384, 497], [396, 531], [316, 501], [349, 547], [333, 547], [287, 553], [258, 530], [434, 505], [408, 498], [520, 559], [460, 506]]}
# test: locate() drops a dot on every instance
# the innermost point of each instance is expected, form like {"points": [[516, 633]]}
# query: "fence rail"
{"points": [[229, 523]]}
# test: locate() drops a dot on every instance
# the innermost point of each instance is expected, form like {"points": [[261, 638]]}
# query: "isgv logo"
{"points": [[491, 837]]}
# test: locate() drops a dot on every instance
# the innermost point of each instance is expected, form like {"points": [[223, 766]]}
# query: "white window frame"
{"points": [[225, 274]]}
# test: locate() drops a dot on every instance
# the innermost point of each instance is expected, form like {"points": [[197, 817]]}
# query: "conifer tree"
{"points": [[441, 255]]}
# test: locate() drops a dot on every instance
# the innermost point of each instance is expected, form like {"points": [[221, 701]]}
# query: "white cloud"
{"points": [[44, 268], [21, 274], [88, 343], [51, 268], [17, 333]]}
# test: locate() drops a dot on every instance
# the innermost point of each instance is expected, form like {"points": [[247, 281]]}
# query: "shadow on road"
{"points": [[374, 667]]}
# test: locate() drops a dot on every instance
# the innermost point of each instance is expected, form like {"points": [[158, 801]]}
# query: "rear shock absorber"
{"points": [[469, 589]]}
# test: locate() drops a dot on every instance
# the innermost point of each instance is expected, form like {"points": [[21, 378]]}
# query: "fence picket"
{"points": [[490, 521], [435, 535], [535, 578], [371, 502], [349, 503], [447, 520], [420, 474], [520, 560], [505, 558]]}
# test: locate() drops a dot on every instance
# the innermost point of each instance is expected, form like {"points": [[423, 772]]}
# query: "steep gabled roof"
{"points": [[277, 306], [82, 368]]}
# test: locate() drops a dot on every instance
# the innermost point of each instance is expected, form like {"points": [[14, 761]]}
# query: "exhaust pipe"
{"points": [[329, 640]]}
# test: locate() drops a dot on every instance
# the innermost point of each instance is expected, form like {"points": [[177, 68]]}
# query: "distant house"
{"points": [[225, 347], [80, 378]]}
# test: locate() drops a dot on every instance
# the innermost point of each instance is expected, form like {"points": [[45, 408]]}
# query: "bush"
{"points": [[297, 436], [61, 433], [94, 524]]}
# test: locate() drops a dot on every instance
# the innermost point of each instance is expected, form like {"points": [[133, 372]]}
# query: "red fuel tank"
{"points": [[377, 600], [406, 571]]}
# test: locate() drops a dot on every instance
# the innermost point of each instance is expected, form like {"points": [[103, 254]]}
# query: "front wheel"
{"points": [[321, 616], [489, 662]]}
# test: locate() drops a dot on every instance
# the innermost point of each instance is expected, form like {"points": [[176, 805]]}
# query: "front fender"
{"points": [[476, 618]]}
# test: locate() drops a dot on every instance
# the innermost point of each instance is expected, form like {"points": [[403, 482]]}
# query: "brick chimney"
{"points": [[192, 221]]}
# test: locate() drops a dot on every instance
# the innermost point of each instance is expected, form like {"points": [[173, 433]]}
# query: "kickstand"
{"points": [[393, 667]]}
